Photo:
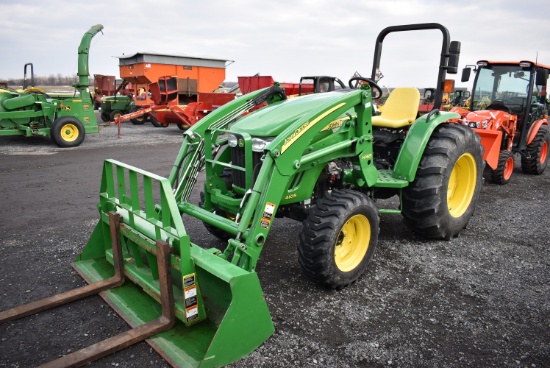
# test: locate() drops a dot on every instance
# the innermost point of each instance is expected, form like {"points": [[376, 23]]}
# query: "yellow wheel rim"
{"points": [[352, 243], [69, 132], [462, 185]]}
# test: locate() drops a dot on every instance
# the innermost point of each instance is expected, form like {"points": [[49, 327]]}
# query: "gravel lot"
{"points": [[479, 300]]}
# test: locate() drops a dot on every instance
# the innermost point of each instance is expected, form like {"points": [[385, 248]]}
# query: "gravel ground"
{"points": [[480, 300]]}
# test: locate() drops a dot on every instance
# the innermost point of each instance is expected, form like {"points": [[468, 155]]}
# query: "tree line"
{"points": [[51, 80]]}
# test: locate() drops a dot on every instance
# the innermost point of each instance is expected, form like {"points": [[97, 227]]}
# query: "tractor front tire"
{"points": [[538, 152], [440, 201], [502, 174], [339, 238], [105, 116], [67, 131]]}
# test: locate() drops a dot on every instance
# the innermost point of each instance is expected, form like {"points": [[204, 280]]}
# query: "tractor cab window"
{"points": [[502, 87], [324, 85]]}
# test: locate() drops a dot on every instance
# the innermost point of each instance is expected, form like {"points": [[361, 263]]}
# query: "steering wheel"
{"points": [[499, 105], [502, 102], [376, 90]]}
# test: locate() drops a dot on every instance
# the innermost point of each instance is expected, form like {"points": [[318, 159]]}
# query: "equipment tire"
{"points": [[115, 114], [67, 131], [502, 174], [154, 121], [538, 151], [339, 238], [139, 120], [182, 127], [440, 201], [105, 116]]}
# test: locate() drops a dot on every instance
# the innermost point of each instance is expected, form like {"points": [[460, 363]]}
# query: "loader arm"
{"points": [[283, 158]]}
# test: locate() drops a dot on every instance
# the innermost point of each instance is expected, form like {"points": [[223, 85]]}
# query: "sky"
{"points": [[286, 39]]}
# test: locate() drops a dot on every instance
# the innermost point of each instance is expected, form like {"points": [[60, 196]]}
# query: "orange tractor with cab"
{"points": [[509, 111]]}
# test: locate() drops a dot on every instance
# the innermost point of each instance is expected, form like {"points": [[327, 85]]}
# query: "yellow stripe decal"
{"points": [[336, 123], [306, 126]]}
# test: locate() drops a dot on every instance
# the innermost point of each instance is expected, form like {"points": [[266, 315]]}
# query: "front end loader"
{"points": [[321, 159]]}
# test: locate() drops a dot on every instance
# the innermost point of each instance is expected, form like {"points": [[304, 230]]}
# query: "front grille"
{"points": [[237, 159]]}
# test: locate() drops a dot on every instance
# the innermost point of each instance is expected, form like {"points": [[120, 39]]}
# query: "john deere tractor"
{"points": [[65, 119], [321, 159]]}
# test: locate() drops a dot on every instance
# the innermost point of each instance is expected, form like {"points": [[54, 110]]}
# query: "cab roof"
{"points": [[537, 65]]}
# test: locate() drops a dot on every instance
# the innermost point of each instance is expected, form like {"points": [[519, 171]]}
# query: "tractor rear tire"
{"points": [[339, 238], [67, 131], [440, 201], [502, 174], [538, 152], [140, 120]]}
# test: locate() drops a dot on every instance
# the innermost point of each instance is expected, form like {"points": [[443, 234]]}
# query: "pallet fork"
{"points": [[120, 341], [139, 258]]}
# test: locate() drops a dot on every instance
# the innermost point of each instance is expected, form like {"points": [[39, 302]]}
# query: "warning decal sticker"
{"points": [[190, 297], [268, 214]]}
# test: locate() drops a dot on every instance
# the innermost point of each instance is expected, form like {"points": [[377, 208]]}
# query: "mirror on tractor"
{"points": [[542, 77], [466, 74], [454, 54]]}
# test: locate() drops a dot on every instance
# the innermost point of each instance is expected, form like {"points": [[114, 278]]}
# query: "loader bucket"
{"points": [[221, 314], [491, 141]]}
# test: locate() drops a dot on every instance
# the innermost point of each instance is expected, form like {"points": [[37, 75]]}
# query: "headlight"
{"points": [[232, 141], [258, 144], [472, 124]]}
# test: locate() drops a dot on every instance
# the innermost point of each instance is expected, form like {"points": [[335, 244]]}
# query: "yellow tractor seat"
{"points": [[400, 109]]}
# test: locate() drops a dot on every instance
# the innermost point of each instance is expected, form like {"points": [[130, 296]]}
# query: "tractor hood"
{"points": [[271, 120], [115, 98], [485, 119]]}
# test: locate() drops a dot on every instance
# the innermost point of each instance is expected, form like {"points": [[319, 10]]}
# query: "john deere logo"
{"points": [[241, 143]]}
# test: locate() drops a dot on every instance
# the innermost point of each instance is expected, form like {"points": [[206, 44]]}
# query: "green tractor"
{"points": [[66, 119], [113, 107], [322, 159]]}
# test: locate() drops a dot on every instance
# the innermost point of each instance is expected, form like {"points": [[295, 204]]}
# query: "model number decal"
{"points": [[364, 157], [305, 127]]}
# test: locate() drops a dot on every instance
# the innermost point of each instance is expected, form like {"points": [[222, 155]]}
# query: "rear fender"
{"points": [[415, 143], [535, 129]]}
